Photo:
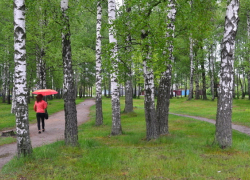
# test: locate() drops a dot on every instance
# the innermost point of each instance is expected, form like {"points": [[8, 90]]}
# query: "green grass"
{"points": [[7, 140], [186, 153], [208, 108]]}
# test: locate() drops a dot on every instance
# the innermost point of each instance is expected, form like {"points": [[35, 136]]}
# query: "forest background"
{"points": [[182, 39], [44, 42], [196, 41]]}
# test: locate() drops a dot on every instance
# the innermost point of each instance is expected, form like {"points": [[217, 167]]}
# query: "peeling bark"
{"points": [[152, 130], [164, 91], [13, 104], [99, 115], [4, 81], [129, 84], [248, 34], [129, 95], [191, 81], [242, 87], [41, 69], [204, 92], [116, 115], [211, 71], [197, 81], [22, 121], [71, 131], [149, 104], [223, 135], [163, 101]]}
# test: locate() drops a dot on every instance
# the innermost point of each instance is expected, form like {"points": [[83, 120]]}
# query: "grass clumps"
{"points": [[7, 140], [187, 152]]}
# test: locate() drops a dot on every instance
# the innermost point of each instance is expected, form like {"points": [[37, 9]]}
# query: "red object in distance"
{"points": [[45, 92]]}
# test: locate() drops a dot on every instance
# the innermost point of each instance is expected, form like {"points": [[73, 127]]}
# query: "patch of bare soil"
{"points": [[54, 131]]}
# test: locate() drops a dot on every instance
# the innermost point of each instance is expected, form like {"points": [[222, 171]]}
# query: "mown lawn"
{"points": [[186, 153]]}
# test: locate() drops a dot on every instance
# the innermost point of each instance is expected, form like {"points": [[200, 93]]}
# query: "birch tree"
{"points": [[99, 115], [71, 131], [40, 69], [149, 105], [116, 116], [191, 57], [223, 135], [128, 48], [248, 35], [4, 81], [14, 102], [211, 58], [191, 80], [204, 82], [22, 121], [40, 49], [148, 73], [197, 77], [163, 99]]}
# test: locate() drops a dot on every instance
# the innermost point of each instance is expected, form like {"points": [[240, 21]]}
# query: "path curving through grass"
{"points": [[54, 131], [243, 129]]}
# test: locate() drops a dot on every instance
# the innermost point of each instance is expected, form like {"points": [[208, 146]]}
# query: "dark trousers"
{"points": [[40, 118]]}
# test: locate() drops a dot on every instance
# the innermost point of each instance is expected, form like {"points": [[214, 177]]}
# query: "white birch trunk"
{"points": [[8, 83], [71, 130], [13, 104], [248, 34], [212, 80], [149, 104], [211, 71], [40, 53], [22, 122], [99, 114], [129, 93], [40, 69], [197, 82], [163, 99], [223, 136], [4, 80], [42, 66], [152, 127], [129, 84], [204, 82], [242, 87], [116, 116], [191, 81]]}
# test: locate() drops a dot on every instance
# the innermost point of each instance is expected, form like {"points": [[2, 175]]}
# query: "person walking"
{"points": [[39, 107]]}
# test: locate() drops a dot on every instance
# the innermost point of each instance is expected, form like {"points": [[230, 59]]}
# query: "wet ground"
{"points": [[54, 131]]}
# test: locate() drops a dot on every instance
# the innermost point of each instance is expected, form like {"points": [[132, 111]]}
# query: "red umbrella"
{"points": [[45, 92]]}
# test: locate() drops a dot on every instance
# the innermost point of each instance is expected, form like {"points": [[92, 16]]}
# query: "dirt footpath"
{"points": [[54, 131], [239, 128]]}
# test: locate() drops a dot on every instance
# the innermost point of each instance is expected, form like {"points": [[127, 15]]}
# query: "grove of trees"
{"points": [[151, 47]]}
